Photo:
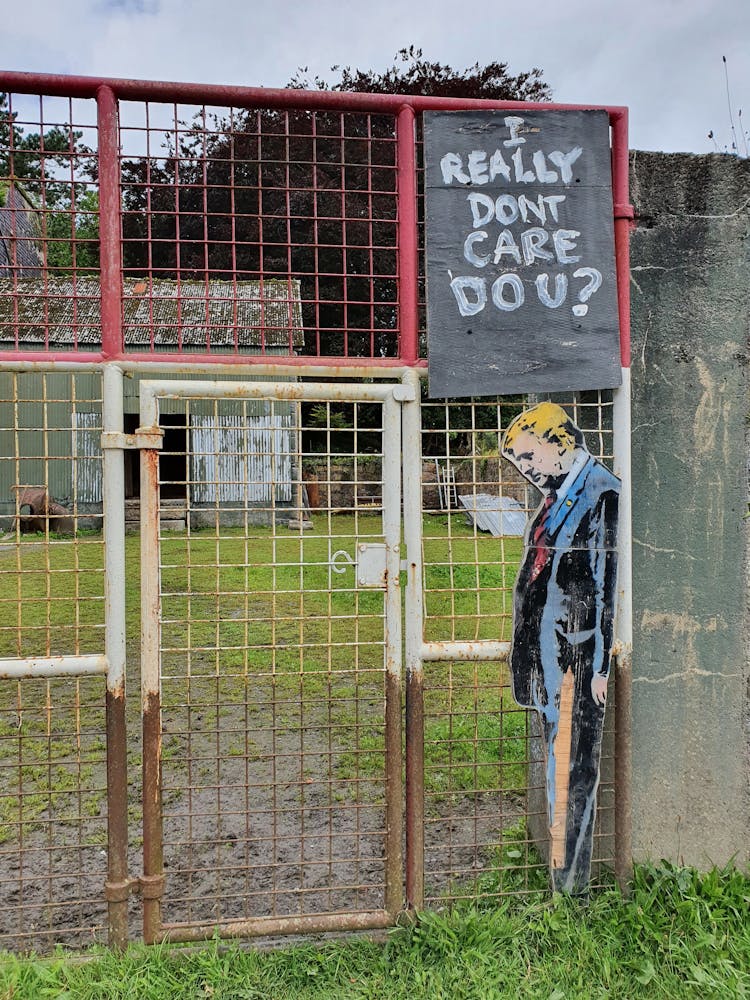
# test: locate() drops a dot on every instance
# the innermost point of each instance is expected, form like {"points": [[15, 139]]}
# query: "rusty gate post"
{"points": [[412, 485], [152, 880], [118, 885]]}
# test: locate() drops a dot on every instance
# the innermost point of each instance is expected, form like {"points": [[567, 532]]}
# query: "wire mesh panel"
{"points": [[273, 663], [485, 825], [268, 232], [52, 743], [49, 224], [52, 813], [244, 232], [51, 553]]}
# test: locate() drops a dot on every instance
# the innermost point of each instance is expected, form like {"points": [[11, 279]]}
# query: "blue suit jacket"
{"points": [[563, 617]]}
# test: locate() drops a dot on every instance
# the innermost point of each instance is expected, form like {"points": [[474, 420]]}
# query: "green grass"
{"points": [[264, 619], [54, 593], [474, 752], [679, 935]]}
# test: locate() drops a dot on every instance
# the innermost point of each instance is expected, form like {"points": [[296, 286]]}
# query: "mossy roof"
{"points": [[64, 312]]}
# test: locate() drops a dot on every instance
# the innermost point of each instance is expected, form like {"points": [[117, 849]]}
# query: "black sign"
{"points": [[521, 286]]}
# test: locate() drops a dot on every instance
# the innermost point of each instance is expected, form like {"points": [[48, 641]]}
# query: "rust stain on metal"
{"points": [[153, 856], [264, 926], [623, 771], [117, 888], [394, 896], [151, 886], [414, 790]]}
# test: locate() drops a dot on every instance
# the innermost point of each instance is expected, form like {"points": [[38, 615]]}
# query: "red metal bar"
{"points": [[623, 223], [58, 85], [247, 361], [109, 224], [107, 92], [624, 214], [89, 357], [408, 268]]}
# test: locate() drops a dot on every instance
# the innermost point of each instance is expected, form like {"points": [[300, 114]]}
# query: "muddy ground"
{"points": [[252, 828]]}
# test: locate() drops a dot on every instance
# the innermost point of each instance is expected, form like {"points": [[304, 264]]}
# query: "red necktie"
{"points": [[540, 538]]}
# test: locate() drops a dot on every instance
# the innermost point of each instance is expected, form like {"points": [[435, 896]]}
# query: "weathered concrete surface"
{"points": [[690, 288]]}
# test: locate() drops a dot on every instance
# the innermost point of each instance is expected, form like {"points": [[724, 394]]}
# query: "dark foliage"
{"points": [[412, 74], [292, 194]]}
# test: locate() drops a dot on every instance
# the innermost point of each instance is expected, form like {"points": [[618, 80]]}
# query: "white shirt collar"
{"points": [[580, 460]]}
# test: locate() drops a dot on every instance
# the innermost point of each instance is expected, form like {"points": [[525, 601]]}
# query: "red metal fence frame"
{"points": [[108, 91]]}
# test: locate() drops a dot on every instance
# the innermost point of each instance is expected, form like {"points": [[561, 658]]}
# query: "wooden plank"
{"points": [[559, 829]]}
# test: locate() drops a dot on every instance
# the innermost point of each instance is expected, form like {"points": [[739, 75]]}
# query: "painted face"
{"points": [[540, 461]]}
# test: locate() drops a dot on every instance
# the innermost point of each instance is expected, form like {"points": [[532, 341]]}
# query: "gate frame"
{"points": [[152, 882], [119, 884]]}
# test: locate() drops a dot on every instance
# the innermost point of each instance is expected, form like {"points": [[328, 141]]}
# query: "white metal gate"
{"points": [[271, 678]]}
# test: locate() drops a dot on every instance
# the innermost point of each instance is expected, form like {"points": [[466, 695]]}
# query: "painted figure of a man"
{"points": [[562, 622]]}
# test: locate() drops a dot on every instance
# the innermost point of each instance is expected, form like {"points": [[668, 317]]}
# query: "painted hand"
{"points": [[599, 689]]}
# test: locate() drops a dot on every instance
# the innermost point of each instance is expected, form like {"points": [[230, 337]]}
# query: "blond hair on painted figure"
{"points": [[547, 422]]}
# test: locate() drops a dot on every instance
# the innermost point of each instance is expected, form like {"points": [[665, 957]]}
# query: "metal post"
{"points": [[623, 639], [408, 287], [109, 223], [152, 881], [117, 888], [393, 653], [412, 452], [621, 416], [113, 495]]}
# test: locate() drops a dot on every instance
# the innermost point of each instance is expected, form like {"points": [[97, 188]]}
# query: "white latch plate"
{"points": [[371, 564]]}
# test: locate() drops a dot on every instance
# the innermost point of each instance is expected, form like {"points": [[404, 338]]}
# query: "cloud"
{"points": [[662, 58]]}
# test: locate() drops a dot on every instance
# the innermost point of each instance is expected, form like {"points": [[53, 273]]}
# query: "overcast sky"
{"points": [[662, 58]]}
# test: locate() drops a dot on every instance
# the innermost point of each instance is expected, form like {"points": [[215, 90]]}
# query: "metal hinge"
{"points": [[151, 886], [118, 892], [144, 437]]}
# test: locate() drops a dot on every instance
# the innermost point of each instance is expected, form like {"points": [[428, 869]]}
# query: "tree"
{"points": [[297, 194], [294, 194], [412, 74], [54, 176]]}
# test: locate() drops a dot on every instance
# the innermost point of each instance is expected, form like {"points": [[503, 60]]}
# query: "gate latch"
{"points": [[144, 437], [369, 564]]}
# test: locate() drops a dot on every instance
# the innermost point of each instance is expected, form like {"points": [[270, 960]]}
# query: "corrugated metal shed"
{"points": [[242, 459], [65, 312], [50, 423], [50, 428], [498, 515], [49, 433]]}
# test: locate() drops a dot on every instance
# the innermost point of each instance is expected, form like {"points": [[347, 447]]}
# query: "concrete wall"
{"points": [[690, 286]]}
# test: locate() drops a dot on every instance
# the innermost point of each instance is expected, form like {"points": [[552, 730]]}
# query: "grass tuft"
{"points": [[680, 934]]}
